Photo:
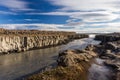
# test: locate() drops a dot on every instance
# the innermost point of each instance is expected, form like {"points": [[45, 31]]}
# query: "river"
{"points": [[17, 65]]}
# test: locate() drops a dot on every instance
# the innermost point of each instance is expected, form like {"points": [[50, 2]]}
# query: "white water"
{"points": [[92, 35]]}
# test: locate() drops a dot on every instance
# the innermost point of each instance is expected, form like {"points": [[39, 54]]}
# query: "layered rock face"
{"points": [[110, 51], [22, 40]]}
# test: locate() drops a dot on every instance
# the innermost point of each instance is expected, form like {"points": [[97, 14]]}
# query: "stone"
{"points": [[74, 57], [111, 51]]}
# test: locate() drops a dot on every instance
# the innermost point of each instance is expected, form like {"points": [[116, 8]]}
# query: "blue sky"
{"points": [[63, 15]]}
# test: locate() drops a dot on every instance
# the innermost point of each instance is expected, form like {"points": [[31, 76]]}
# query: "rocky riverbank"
{"points": [[109, 50], [72, 65], [23, 40]]}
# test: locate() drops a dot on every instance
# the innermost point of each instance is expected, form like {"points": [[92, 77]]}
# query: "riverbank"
{"points": [[72, 65], [23, 40], [74, 62], [18, 66], [109, 50]]}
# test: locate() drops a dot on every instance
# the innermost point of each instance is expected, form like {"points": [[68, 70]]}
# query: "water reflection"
{"points": [[13, 66]]}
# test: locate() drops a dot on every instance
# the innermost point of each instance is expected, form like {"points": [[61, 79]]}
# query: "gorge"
{"points": [[48, 55]]}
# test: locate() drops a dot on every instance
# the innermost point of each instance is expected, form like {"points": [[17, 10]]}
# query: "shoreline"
{"points": [[70, 59], [109, 50]]}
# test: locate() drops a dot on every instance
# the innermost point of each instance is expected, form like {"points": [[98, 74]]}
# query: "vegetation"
{"points": [[78, 72]]}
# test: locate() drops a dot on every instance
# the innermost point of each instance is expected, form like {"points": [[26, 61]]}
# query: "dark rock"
{"points": [[110, 51]]}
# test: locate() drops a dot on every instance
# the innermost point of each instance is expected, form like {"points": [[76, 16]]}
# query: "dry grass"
{"points": [[63, 73]]}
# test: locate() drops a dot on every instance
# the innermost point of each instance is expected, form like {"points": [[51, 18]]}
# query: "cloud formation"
{"points": [[14, 4], [31, 26], [98, 13], [58, 27], [69, 5], [82, 15]]}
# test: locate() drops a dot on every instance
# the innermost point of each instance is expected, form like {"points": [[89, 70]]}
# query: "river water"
{"points": [[17, 65], [98, 71]]}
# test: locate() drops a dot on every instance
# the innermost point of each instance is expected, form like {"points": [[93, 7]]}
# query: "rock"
{"points": [[111, 51], [74, 57], [111, 46], [108, 37]]}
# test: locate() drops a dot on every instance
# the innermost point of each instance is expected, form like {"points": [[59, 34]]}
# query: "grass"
{"points": [[78, 72]]}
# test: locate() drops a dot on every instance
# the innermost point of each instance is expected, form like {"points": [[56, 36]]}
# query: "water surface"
{"points": [[98, 71]]}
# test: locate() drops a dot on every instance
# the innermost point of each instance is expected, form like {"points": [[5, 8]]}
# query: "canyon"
{"points": [[75, 61]]}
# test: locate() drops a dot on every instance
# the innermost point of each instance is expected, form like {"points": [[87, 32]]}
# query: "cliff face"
{"points": [[17, 41], [20, 43]]}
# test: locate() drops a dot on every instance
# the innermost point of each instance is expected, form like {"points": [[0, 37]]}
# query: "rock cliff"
{"points": [[22, 40]]}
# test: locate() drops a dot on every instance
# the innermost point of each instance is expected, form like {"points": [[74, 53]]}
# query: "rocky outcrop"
{"points": [[110, 51], [75, 57], [72, 65], [22, 40], [108, 37], [74, 62]]}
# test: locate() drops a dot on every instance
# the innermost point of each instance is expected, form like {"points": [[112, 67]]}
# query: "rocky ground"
{"points": [[74, 64], [109, 50]]}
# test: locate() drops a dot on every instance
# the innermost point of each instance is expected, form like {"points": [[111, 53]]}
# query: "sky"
{"points": [[88, 16]]}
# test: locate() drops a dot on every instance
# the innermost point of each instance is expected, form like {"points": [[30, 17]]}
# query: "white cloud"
{"points": [[14, 4], [5, 12], [85, 4], [82, 12], [31, 26], [96, 16], [31, 20], [109, 27]]}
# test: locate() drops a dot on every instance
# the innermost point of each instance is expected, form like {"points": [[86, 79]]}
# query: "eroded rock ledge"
{"points": [[22, 40], [75, 57], [110, 51]]}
